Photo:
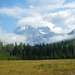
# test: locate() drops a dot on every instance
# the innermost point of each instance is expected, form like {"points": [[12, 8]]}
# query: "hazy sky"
{"points": [[59, 15]]}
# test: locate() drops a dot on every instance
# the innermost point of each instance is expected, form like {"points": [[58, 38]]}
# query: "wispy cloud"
{"points": [[16, 12]]}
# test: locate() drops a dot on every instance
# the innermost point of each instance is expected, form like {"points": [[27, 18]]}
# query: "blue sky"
{"points": [[59, 15]]}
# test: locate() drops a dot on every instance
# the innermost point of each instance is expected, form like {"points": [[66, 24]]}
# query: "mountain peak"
{"points": [[24, 29], [35, 35], [72, 32]]}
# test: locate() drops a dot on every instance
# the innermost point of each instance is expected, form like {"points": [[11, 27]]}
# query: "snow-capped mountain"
{"points": [[40, 31], [21, 30], [47, 33], [38, 35], [72, 32], [32, 34]]}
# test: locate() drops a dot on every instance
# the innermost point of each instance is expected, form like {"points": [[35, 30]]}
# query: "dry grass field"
{"points": [[37, 67]]}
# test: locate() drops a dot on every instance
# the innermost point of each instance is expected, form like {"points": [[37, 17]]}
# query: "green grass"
{"points": [[37, 67]]}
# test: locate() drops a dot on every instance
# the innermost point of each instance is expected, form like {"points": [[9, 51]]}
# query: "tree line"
{"points": [[59, 50]]}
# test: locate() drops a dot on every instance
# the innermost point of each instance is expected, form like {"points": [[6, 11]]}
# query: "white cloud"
{"points": [[60, 38], [69, 5], [35, 21], [45, 5], [16, 12], [60, 30], [12, 38], [64, 18], [57, 17], [8, 38]]}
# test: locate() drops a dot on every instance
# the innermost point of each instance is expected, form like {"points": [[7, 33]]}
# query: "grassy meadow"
{"points": [[37, 67]]}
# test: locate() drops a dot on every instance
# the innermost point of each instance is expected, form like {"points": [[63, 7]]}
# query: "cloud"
{"points": [[35, 21], [19, 12], [8, 38], [69, 5], [16, 12], [59, 30], [56, 17], [64, 18], [43, 6], [60, 38]]}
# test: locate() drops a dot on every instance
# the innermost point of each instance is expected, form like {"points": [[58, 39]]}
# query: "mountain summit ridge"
{"points": [[38, 35]]}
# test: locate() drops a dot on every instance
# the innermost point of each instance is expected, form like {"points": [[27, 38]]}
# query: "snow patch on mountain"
{"points": [[23, 28], [42, 32]]}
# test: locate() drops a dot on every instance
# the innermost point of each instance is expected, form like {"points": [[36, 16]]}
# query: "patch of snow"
{"points": [[42, 32], [23, 28]]}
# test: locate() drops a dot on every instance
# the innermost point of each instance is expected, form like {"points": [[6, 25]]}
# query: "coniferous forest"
{"points": [[59, 50]]}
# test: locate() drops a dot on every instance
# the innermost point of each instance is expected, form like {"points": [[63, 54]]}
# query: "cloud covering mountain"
{"points": [[27, 34], [41, 34]]}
